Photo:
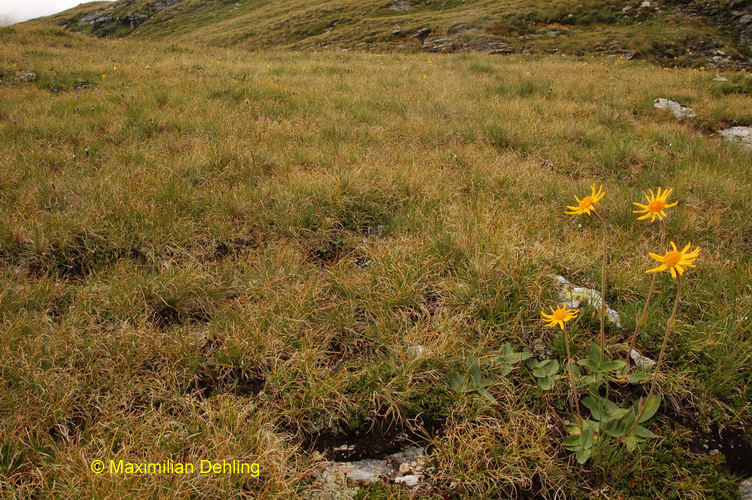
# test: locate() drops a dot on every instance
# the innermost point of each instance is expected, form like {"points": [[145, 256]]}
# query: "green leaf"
{"points": [[601, 408], [637, 377], [509, 357], [589, 364], [613, 365], [487, 395], [454, 382], [595, 407], [573, 441], [618, 413], [631, 441], [619, 427], [644, 433], [582, 456], [547, 368], [474, 367], [574, 369], [595, 354], [546, 383], [586, 439], [649, 407], [486, 382]]}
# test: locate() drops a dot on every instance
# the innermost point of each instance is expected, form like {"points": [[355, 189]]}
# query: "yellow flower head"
{"points": [[560, 316], [675, 260], [655, 206], [588, 203]]}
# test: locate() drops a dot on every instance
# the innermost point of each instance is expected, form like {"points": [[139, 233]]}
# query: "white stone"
{"points": [[573, 296], [367, 471], [411, 480], [676, 108], [641, 361], [719, 78], [742, 134], [402, 466]]}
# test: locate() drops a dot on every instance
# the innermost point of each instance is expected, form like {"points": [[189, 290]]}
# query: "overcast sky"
{"points": [[15, 11]]}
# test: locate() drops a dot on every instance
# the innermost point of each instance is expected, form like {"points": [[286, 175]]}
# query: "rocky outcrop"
{"points": [[735, 15], [103, 22], [161, 5], [135, 19], [455, 43]]}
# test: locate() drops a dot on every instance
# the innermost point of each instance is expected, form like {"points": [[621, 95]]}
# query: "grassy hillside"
{"points": [[688, 35], [212, 254]]}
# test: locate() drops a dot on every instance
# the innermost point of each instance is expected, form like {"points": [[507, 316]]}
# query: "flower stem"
{"points": [[570, 362], [603, 289], [643, 318], [670, 323]]}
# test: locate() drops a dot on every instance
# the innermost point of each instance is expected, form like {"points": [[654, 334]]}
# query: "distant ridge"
{"points": [[671, 33]]}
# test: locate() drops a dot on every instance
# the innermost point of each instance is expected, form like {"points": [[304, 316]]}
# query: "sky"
{"points": [[15, 11]]}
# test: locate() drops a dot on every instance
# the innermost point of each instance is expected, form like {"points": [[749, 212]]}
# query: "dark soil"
{"points": [[375, 442], [733, 444]]}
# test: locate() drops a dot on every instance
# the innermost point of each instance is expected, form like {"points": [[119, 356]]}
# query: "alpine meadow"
{"points": [[436, 250]]}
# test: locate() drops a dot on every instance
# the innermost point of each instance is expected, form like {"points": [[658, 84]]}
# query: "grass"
{"points": [[215, 254]]}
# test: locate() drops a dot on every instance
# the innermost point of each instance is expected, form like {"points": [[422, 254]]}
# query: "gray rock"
{"points": [[135, 20], [161, 5], [679, 111], [422, 33], [745, 489], [573, 296], [457, 28], [741, 134], [719, 78], [401, 6], [641, 361], [403, 467], [89, 18], [440, 44], [103, 20], [396, 31], [367, 471]]}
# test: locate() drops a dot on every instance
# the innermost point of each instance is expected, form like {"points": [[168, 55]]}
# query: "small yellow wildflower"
{"points": [[655, 206], [560, 316], [588, 203], [675, 260]]}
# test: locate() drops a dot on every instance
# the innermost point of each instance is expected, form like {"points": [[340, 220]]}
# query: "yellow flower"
{"points": [[588, 203], [560, 316], [675, 260], [655, 206]]}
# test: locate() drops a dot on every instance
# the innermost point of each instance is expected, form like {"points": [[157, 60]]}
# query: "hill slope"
{"points": [[709, 33]]}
